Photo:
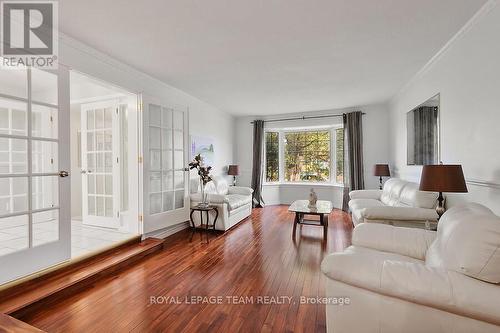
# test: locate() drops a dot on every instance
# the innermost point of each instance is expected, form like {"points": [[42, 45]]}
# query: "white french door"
{"points": [[34, 159], [100, 142], [165, 151]]}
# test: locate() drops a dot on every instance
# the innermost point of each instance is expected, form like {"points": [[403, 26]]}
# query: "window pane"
{"points": [[45, 227], [44, 86], [14, 233], [307, 156], [272, 156], [44, 158], [14, 82], [13, 117], [13, 156], [13, 195], [339, 152], [44, 122]]}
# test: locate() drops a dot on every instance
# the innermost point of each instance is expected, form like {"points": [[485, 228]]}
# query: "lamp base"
{"points": [[380, 186], [234, 180], [440, 207]]}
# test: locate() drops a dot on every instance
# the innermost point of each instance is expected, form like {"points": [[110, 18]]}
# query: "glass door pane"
{"points": [[165, 149], [31, 234], [100, 158]]}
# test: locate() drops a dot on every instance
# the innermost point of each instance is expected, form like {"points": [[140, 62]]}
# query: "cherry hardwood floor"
{"points": [[256, 258]]}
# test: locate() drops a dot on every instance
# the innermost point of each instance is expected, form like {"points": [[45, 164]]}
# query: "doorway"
{"points": [[104, 165]]}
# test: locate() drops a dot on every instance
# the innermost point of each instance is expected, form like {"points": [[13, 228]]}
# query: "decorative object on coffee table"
{"points": [[205, 178], [301, 208], [442, 178], [313, 198], [381, 170], [233, 170]]}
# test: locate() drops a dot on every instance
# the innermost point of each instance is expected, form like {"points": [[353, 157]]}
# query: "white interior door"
{"points": [[35, 228], [100, 142], [165, 152]]}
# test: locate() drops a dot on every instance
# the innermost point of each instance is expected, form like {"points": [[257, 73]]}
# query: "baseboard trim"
{"points": [[168, 231]]}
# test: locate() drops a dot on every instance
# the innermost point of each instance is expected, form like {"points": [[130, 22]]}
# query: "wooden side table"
{"points": [[202, 209]]}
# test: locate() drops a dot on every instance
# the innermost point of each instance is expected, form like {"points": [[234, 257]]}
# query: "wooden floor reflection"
{"points": [[257, 258]]}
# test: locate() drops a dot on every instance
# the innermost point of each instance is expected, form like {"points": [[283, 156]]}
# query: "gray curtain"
{"points": [[425, 122], [353, 155], [257, 171]]}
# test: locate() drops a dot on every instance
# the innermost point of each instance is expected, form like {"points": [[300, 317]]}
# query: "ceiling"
{"points": [[258, 57]]}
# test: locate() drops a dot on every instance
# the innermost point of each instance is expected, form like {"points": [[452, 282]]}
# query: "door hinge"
{"points": [[141, 107], [140, 159], [140, 217], [51, 119], [116, 110], [117, 214]]}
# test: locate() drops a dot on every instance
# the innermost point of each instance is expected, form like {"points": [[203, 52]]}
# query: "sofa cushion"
{"points": [[221, 185], [411, 197], [237, 200], [356, 204], [468, 242], [392, 191], [358, 265]]}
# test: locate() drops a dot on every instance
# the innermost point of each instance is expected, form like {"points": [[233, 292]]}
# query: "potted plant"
{"points": [[205, 178]]}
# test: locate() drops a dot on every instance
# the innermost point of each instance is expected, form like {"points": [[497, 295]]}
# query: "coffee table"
{"points": [[301, 208]]}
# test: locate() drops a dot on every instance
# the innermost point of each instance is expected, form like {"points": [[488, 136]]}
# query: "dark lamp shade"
{"points": [[443, 178], [233, 170], [381, 170]]}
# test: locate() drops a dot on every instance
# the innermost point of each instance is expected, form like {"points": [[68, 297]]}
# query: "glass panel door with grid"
{"points": [[100, 164], [165, 198], [34, 193]]}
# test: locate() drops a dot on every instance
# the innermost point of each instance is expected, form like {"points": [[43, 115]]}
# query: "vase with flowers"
{"points": [[205, 178]]}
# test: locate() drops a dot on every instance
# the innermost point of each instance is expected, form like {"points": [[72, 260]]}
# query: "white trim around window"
{"points": [[281, 160]]}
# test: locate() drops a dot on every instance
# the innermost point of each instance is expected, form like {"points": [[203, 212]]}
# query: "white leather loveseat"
{"points": [[399, 203], [414, 280], [234, 203]]}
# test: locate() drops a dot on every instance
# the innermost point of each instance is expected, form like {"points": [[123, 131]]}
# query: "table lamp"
{"points": [[234, 171], [442, 178], [381, 170]]}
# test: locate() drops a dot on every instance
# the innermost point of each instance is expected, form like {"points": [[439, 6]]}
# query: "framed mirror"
{"points": [[422, 124]]}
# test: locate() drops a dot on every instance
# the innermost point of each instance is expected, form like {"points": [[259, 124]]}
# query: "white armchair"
{"points": [[414, 280], [234, 203]]}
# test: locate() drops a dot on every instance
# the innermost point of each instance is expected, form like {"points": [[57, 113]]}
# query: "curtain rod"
{"points": [[305, 117]]}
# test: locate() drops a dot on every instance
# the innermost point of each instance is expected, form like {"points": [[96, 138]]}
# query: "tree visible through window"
{"points": [[272, 156], [307, 156], [339, 155]]}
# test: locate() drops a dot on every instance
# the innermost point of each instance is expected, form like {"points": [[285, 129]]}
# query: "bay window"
{"points": [[304, 155]]}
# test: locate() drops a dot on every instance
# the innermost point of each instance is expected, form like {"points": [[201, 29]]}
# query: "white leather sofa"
{"points": [[234, 203], [413, 280], [399, 203]]}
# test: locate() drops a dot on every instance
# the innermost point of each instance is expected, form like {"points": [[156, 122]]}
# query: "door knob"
{"points": [[63, 174]]}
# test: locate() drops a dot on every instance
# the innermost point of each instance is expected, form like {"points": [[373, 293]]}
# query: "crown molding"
{"points": [[483, 11]]}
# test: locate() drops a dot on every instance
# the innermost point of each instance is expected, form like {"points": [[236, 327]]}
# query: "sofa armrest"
{"points": [[399, 214], [365, 194], [212, 198], [240, 190], [409, 242]]}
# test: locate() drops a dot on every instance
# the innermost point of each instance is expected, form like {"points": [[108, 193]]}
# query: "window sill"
{"points": [[304, 184]]}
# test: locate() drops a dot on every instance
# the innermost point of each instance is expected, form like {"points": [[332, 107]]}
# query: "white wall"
{"points": [[375, 149], [204, 119], [467, 75]]}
